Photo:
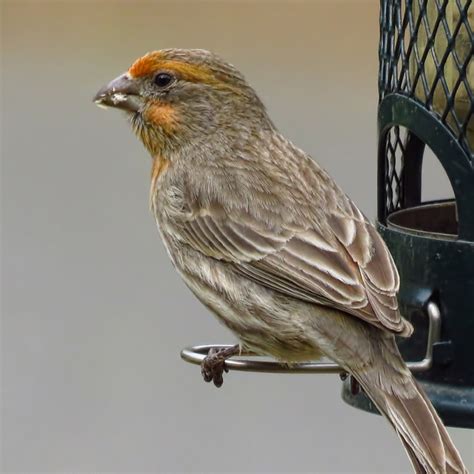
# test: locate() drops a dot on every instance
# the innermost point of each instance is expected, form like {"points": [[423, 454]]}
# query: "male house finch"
{"points": [[267, 240]]}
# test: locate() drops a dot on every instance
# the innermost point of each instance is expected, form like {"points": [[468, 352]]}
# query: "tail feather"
{"points": [[417, 466], [452, 454], [415, 424], [399, 397]]}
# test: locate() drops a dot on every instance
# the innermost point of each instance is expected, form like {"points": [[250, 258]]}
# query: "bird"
{"points": [[268, 242]]}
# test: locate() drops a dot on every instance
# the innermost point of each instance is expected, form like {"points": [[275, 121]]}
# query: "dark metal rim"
{"points": [[391, 224]]}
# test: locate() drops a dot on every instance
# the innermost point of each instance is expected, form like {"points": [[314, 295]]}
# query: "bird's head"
{"points": [[177, 97]]}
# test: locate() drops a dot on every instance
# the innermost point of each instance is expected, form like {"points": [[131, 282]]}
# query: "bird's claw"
{"points": [[213, 366]]}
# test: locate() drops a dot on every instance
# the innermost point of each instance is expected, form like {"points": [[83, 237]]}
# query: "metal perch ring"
{"points": [[196, 354]]}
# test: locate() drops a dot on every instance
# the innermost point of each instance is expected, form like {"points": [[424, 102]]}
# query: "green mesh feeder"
{"points": [[426, 100]]}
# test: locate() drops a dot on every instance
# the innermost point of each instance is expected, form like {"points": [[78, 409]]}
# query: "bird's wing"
{"points": [[346, 266]]}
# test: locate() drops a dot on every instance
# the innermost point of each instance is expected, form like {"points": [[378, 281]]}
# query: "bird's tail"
{"points": [[414, 418]]}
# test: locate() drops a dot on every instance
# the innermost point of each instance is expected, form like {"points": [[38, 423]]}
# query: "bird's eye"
{"points": [[163, 79]]}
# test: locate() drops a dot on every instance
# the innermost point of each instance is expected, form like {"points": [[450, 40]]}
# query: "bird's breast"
{"points": [[158, 169]]}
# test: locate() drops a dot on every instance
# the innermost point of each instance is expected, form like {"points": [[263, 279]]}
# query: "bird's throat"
{"points": [[158, 169]]}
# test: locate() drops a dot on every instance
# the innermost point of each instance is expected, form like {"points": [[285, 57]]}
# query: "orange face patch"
{"points": [[163, 115], [153, 62], [145, 65], [156, 61]]}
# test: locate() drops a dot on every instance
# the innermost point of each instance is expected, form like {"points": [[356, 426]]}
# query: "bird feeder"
{"points": [[426, 79], [426, 100]]}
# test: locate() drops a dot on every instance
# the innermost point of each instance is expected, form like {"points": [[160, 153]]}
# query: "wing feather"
{"points": [[348, 267]]}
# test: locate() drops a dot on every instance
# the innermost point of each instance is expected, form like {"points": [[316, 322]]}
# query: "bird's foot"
{"points": [[354, 384], [213, 365]]}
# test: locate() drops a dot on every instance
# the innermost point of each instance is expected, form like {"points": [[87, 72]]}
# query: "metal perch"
{"points": [[196, 354]]}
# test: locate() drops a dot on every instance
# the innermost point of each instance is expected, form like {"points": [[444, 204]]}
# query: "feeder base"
{"points": [[455, 405]]}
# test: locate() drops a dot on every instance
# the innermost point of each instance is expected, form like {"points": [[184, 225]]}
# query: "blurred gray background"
{"points": [[93, 314]]}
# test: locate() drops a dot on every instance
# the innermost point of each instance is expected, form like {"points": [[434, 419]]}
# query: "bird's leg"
{"points": [[355, 386], [213, 365]]}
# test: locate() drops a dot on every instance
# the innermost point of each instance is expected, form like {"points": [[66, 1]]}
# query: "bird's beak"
{"points": [[121, 93]]}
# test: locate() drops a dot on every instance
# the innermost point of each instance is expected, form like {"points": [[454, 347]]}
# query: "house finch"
{"points": [[266, 239]]}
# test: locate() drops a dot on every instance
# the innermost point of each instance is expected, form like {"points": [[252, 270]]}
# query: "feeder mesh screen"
{"points": [[426, 53]]}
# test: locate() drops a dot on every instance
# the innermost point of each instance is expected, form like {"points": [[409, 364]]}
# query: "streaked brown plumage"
{"points": [[265, 238]]}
